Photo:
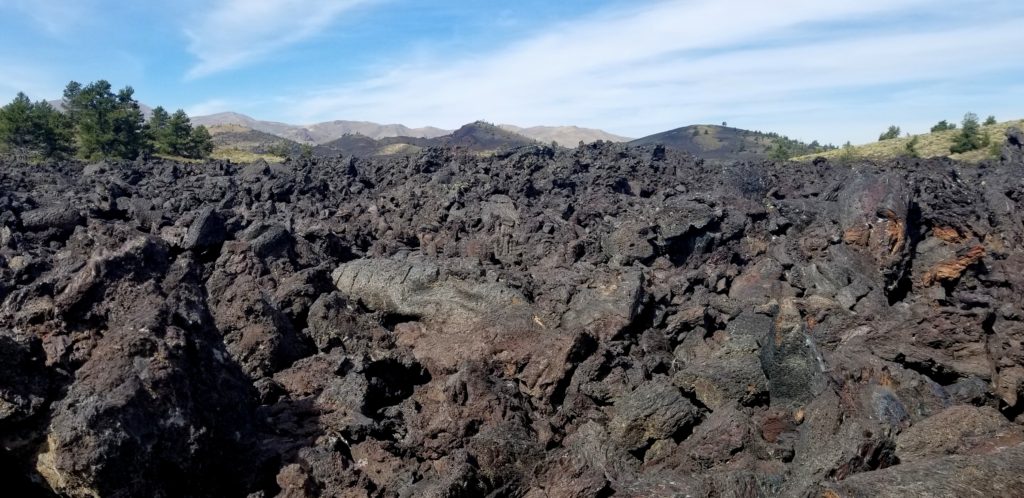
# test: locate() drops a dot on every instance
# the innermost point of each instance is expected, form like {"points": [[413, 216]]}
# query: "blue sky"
{"points": [[813, 69]]}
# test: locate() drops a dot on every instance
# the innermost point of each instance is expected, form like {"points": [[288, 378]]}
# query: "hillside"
{"points": [[483, 137], [478, 137], [928, 145], [566, 136], [723, 143], [242, 144], [363, 146], [284, 130]]}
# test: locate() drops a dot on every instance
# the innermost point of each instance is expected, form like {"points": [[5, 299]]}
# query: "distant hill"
{"points": [[484, 137], [935, 144], [326, 132], [364, 146], [241, 144], [723, 143], [566, 136], [283, 130], [319, 133], [478, 137]]}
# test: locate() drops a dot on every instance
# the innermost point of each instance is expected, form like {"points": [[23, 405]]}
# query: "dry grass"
{"points": [[226, 128], [178, 159], [395, 149], [241, 156], [928, 145]]}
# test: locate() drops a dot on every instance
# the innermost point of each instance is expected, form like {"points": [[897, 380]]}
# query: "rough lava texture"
{"points": [[612, 320]]}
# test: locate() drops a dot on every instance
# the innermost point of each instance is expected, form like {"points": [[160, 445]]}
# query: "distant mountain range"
{"points": [[323, 133], [235, 137], [478, 137], [319, 133], [566, 136], [239, 136]]}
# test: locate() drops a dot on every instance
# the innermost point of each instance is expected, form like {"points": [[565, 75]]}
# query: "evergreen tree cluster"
{"points": [[99, 123], [174, 135], [35, 127]]}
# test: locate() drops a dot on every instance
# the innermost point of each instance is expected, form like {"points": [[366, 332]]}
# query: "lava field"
{"points": [[605, 321]]}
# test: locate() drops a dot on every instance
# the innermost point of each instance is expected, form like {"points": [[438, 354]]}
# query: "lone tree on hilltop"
{"points": [[891, 133]]}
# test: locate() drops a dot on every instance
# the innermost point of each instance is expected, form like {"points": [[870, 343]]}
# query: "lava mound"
{"points": [[610, 320]]}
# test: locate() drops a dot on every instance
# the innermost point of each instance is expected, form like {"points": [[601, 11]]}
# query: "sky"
{"points": [[827, 70]]}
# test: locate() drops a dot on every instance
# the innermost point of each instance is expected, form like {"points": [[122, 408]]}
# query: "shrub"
{"points": [[848, 153], [891, 133], [989, 121], [943, 126], [779, 151], [911, 147]]}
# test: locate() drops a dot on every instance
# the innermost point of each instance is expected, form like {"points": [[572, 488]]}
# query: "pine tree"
{"points": [[201, 143], [779, 151], [37, 128], [179, 130], [970, 137], [54, 134], [130, 140], [158, 130], [16, 123], [106, 124]]}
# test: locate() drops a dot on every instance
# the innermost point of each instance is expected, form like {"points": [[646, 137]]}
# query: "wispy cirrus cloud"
{"points": [[667, 63], [234, 33], [56, 17]]}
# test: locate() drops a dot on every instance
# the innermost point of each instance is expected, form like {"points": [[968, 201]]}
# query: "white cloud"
{"points": [[236, 32], [670, 63]]}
